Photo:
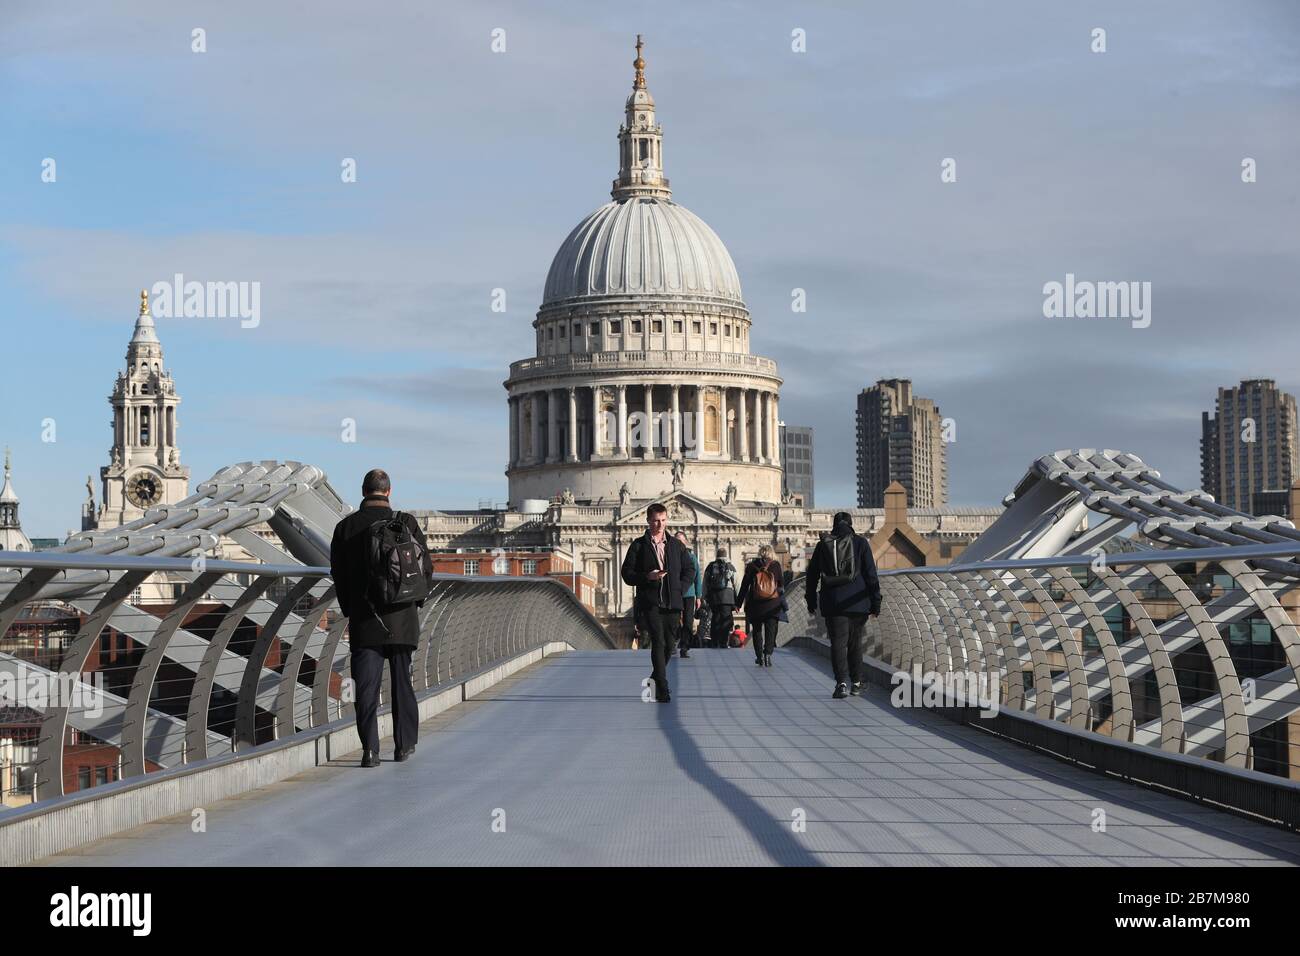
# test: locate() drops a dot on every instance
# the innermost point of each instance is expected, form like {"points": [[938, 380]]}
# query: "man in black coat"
{"points": [[846, 605], [389, 635], [657, 565], [720, 597]]}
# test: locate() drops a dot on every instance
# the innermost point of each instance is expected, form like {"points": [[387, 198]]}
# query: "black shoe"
{"points": [[684, 653], [856, 689], [840, 692], [663, 697], [370, 758], [404, 753], [767, 660], [759, 660]]}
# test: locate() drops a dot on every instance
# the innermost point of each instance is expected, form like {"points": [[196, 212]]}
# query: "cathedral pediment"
{"points": [[683, 509]]}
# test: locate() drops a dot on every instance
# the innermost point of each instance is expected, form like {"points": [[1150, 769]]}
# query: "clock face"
{"points": [[143, 489]]}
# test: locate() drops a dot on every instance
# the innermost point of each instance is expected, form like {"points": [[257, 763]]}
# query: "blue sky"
{"points": [[819, 170]]}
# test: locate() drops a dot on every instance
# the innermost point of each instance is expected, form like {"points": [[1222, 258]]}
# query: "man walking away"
{"points": [[382, 572], [760, 595], [720, 596], [690, 598], [657, 566], [850, 591]]}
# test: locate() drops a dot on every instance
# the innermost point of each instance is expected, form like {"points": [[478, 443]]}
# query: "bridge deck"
{"points": [[586, 773]]}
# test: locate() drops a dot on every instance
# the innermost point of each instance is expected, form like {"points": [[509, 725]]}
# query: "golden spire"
{"points": [[639, 63], [144, 302]]}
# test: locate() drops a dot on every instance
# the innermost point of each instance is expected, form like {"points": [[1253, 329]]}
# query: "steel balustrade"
{"points": [[466, 625], [1026, 620]]}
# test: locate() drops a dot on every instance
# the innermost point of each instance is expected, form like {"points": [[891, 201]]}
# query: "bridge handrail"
{"points": [[1136, 651], [244, 653], [1119, 559]]}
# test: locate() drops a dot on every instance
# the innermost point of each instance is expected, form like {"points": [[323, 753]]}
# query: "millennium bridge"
{"points": [[1109, 674]]}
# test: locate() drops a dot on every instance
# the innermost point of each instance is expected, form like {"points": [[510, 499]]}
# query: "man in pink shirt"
{"points": [[658, 567]]}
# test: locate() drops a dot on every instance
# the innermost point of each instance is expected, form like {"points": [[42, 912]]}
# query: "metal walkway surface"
{"points": [[564, 764]]}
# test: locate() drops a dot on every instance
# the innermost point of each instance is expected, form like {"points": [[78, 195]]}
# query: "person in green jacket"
{"points": [[690, 598]]}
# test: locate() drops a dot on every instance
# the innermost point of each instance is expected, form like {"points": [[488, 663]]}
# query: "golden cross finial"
{"points": [[144, 302], [639, 63]]}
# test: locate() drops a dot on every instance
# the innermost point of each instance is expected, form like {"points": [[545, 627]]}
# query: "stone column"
{"points": [[699, 421], [724, 440], [676, 422], [742, 426], [519, 428], [649, 422], [622, 421], [775, 419], [512, 406], [552, 426], [535, 456], [758, 427], [573, 425], [597, 416]]}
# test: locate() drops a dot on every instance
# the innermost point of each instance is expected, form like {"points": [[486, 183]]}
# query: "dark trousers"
{"points": [[368, 675], [846, 646], [765, 636], [722, 623], [686, 631], [660, 626]]}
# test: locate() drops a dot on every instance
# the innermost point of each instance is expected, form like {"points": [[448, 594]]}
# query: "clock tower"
{"points": [[144, 468]]}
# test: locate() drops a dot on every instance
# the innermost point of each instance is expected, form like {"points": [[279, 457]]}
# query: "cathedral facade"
{"points": [[643, 389]]}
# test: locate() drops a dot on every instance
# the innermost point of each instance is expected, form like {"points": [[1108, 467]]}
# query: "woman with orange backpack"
{"points": [[762, 595]]}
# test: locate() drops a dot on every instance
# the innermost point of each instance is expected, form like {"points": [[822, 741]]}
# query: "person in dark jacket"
{"points": [[845, 605], [690, 598], [720, 598], [387, 633], [659, 568], [762, 614]]}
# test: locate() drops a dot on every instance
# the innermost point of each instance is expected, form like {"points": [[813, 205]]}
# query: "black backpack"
{"points": [[719, 583], [841, 562], [395, 563]]}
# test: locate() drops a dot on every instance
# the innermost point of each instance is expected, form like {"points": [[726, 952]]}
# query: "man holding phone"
{"points": [[658, 566]]}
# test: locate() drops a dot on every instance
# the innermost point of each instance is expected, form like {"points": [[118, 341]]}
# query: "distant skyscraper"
{"points": [[797, 461], [1249, 444], [900, 438]]}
